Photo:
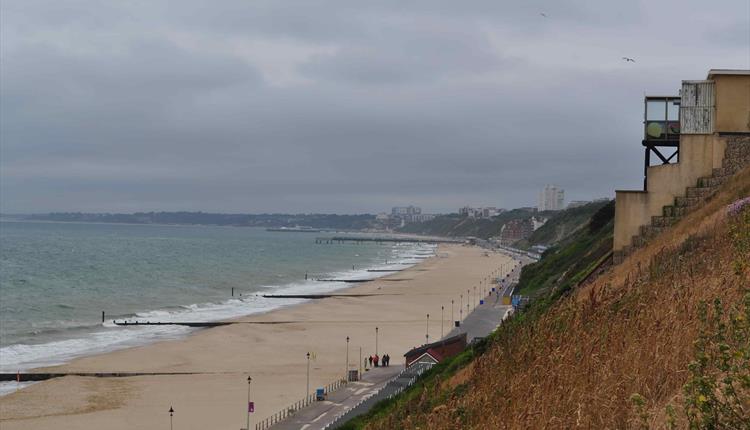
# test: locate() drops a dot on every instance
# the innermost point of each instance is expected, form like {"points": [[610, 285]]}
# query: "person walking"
{"points": [[387, 360], [375, 360], [371, 360]]}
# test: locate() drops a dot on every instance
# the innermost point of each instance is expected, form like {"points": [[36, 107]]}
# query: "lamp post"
{"points": [[461, 309], [249, 409], [452, 311], [171, 413], [376, 341], [307, 393], [442, 320], [468, 300], [346, 375], [427, 333]]}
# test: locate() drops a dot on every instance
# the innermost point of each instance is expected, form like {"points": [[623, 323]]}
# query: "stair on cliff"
{"points": [[736, 157]]}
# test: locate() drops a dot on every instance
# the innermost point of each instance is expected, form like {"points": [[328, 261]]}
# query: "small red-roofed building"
{"points": [[437, 351]]}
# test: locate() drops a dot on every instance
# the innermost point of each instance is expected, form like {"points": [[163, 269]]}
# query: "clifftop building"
{"points": [[698, 140], [483, 212], [408, 214], [515, 230], [405, 210], [551, 198]]}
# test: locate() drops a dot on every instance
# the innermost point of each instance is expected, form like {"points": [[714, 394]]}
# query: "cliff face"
{"points": [[559, 226], [660, 341]]}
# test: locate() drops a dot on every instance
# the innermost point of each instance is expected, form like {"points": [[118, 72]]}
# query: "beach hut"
{"points": [[437, 351]]}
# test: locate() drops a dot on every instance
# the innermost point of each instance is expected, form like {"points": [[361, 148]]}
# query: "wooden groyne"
{"points": [[316, 296], [187, 324], [350, 281], [26, 377]]}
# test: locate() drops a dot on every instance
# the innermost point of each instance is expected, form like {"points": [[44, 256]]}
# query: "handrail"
{"points": [[297, 406], [365, 404]]}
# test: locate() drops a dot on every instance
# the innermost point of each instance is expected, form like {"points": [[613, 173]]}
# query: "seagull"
{"points": [[627, 59], [543, 14]]}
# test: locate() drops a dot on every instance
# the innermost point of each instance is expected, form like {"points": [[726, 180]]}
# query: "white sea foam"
{"points": [[11, 387], [110, 337]]}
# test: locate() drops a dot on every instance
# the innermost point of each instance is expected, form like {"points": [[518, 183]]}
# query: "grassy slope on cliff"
{"points": [[635, 348], [583, 248], [566, 223], [561, 224], [577, 254], [461, 226]]}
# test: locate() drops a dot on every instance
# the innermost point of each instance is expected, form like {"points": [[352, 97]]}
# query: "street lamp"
{"points": [[442, 320], [308, 375], [250, 407], [427, 333], [452, 311], [171, 413], [461, 309], [376, 341], [346, 375]]}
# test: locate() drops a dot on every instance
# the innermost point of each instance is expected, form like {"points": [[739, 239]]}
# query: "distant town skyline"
{"points": [[253, 107]]}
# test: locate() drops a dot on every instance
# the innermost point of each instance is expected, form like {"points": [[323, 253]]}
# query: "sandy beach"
{"points": [[272, 354]]}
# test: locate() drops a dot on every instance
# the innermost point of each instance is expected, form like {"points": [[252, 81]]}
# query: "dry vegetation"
{"points": [[649, 344]]}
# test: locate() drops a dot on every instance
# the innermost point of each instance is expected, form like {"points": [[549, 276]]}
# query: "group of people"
{"points": [[376, 361]]}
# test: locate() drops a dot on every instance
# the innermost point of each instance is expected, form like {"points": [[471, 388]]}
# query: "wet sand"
{"points": [[272, 354]]}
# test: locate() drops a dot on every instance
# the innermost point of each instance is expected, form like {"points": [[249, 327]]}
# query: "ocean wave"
{"points": [[109, 337]]}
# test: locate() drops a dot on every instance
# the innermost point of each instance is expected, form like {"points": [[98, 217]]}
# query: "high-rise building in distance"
{"points": [[551, 198]]}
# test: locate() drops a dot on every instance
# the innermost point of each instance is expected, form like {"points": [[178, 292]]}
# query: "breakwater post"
{"points": [[102, 317]]}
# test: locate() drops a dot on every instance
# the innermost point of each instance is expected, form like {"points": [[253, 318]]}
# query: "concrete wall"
{"points": [[732, 94], [631, 208], [699, 155]]}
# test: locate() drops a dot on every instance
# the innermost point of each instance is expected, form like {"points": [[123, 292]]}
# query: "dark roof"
{"points": [[424, 348], [713, 72]]}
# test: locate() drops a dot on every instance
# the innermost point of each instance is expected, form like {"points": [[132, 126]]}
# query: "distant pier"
{"points": [[383, 239]]}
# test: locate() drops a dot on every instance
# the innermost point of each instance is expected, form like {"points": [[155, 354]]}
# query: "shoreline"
{"points": [[207, 313], [272, 352]]}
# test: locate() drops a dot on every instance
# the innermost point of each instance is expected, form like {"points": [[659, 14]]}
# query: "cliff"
{"points": [[659, 341]]}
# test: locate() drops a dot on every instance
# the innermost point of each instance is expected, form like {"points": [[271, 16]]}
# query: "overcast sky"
{"points": [[338, 106]]}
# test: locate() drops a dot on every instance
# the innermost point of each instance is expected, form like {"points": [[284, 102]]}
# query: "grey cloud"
{"points": [[175, 106], [403, 54]]}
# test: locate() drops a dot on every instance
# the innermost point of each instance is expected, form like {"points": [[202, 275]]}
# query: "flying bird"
{"points": [[543, 14], [627, 59]]}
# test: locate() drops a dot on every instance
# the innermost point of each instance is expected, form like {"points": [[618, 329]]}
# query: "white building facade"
{"points": [[551, 198]]}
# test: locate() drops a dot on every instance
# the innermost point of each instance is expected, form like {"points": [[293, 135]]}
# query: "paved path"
{"points": [[318, 415], [485, 318], [481, 321]]}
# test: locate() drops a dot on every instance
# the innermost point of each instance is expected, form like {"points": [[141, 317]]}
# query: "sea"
{"points": [[56, 279]]}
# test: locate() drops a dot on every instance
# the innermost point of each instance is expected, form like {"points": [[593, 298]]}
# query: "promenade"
{"points": [[480, 322], [324, 412]]}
